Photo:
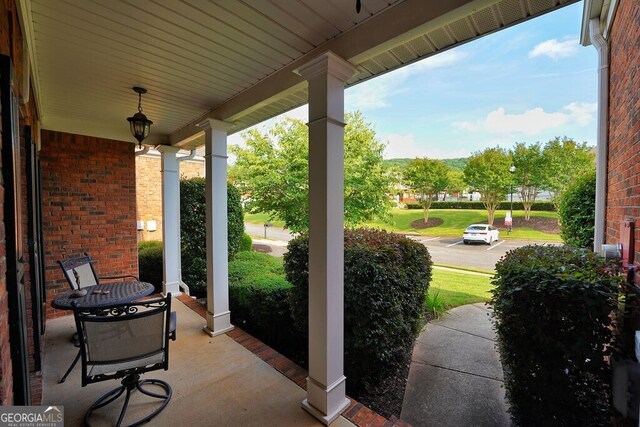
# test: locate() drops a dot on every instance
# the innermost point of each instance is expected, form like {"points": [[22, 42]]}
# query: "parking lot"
{"points": [[451, 251], [443, 250]]}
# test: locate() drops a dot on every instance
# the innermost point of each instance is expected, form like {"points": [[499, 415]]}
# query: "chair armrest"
{"points": [[120, 277], [173, 321]]}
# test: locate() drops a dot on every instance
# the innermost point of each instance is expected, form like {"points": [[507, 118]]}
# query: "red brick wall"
{"points": [[623, 196], [149, 190], [89, 205]]}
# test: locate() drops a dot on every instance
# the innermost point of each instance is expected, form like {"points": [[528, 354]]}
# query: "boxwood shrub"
{"points": [[386, 277], [506, 205], [246, 242], [258, 298], [150, 263], [577, 212], [193, 231], [552, 308]]}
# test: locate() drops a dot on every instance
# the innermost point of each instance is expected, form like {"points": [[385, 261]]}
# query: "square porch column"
{"points": [[171, 268], [326, 75], [218, 315]]}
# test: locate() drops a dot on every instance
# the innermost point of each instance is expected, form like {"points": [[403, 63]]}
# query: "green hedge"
{"points": [[386, 277], [258, 297], [150, 263], [577, 212], [192, 231], [246, 242], [552, 308], [537, 206]]}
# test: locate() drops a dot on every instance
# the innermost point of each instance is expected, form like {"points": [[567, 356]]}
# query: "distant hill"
{"points": [[455, 164]]}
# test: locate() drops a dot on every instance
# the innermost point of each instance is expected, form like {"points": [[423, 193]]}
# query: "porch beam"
{"points": [[218, 315], [171, 268], [326, 75]]}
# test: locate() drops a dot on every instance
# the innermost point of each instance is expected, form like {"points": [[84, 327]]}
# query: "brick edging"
{"points": [[356, 412]]}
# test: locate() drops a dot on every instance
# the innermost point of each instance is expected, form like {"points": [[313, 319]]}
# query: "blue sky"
{"points": [[528, 83]]}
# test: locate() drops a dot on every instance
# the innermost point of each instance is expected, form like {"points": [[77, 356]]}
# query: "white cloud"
{"points": [[375, 93], [531, 121], [555, 49], [582, 112], [405, 146]]}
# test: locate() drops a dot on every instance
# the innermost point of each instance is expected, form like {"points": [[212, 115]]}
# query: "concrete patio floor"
{"points": [[215, 382]]}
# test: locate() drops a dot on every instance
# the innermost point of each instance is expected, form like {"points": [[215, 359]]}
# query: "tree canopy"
{"points": [[272, 170], [530, 173], [426, 178], [488, 173], [565, 160]]}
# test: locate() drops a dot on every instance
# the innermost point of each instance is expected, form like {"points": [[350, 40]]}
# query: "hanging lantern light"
{"points": [[138, 123]]}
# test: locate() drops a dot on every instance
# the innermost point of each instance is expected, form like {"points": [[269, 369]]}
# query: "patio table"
{"points": [[105, 294]]}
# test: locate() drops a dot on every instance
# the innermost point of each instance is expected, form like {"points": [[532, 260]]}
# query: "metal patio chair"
{"points": [[124, 342], [80, 273]]}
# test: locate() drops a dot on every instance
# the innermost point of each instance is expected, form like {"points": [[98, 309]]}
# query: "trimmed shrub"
{"points": [[258, 297], [386, 277], [552, 308], [577, 212], [193, 231], [505, 205], [245, 242], [150, 263]]}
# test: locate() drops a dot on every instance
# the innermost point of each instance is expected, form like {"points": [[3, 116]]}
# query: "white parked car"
{"points": [[480, 233]]}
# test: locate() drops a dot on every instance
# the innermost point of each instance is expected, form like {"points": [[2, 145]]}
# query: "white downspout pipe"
{"points": [[602, 46], [183, 285], [190, 156], [144, 150]]}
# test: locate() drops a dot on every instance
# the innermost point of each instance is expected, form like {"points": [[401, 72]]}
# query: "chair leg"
{"points": [[64, 377], [130, 383]]}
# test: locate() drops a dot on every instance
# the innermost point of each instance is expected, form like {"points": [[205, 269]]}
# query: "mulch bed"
{"points": [[545, 225], [419, 224], [261, 248]]}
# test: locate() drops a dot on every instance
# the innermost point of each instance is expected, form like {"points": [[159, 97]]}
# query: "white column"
{"points": [[171, 269], [326, 75], [218, 315]]}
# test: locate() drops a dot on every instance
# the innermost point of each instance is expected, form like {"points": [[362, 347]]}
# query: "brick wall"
{"points": [[149, 190], [623, 196], [89, 204]]}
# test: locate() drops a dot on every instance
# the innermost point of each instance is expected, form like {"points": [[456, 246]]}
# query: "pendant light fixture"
{"points": [[138, 123]]}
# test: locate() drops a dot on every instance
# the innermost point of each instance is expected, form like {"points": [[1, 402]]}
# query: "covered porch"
{"points": [[211, 69], [215, 380]]}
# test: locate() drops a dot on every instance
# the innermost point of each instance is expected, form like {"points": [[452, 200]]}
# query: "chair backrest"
{"points": [[123, 339], [79, 272]]}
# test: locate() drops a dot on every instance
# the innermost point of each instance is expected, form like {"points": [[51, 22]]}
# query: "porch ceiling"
{"points": [[225, 59]]}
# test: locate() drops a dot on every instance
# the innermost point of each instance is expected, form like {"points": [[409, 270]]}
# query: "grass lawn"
{"points": [[261, 218], [458, 288], [454, 223], [456, 220]]}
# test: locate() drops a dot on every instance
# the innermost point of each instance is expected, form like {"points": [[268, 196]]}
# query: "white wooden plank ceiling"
{"points": [[218, 58]]}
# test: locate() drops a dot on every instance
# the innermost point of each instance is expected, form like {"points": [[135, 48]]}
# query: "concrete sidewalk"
{"points": [[455, 377]]}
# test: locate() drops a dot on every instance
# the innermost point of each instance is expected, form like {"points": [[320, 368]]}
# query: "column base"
{"points": [[218, 324], [173, 287], [325, 419], [329, 401]]}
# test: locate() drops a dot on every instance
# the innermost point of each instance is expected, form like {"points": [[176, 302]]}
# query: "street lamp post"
{"points": [[512, 169]]}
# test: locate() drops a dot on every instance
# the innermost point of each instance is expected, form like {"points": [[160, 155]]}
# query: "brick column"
{"points": [[326, 75]]}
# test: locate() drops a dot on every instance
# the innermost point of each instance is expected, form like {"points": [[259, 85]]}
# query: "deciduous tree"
{"points": [[530, 174], [273, 168], [565, 160], [488, 173], [427, 178]]}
